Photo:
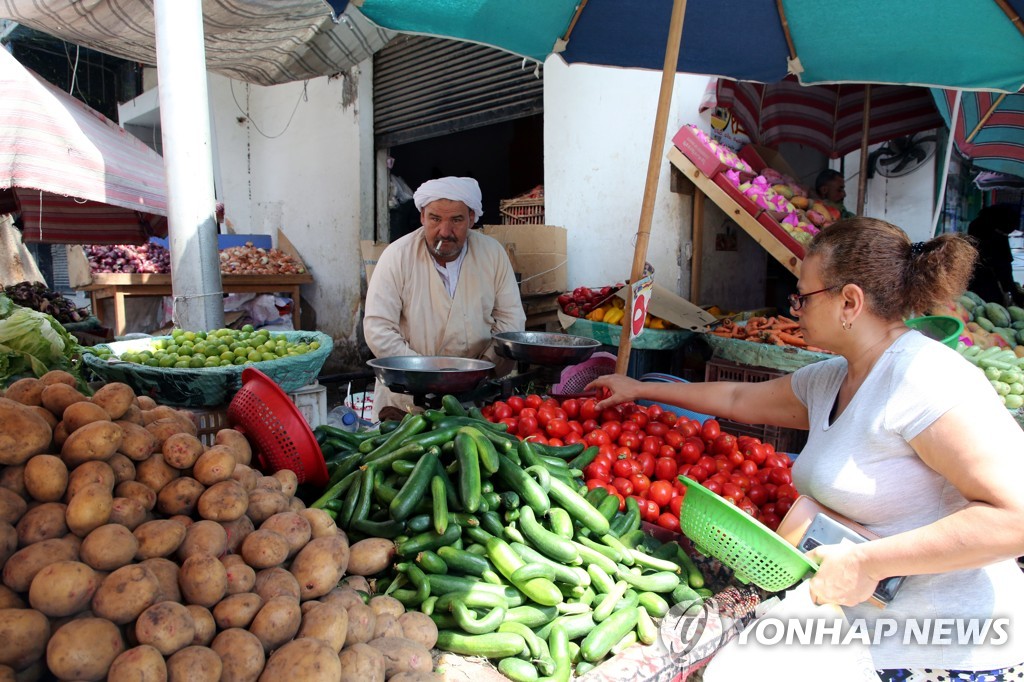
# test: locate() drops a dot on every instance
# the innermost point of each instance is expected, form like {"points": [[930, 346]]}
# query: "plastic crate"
{"points": [[770, 223], [782, 439], [312, 403], [722, 370], [678, 411], [209, 421], [521, 211]]}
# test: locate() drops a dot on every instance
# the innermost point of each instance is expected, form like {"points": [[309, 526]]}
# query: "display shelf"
{"points": [[120, 286], [749, 223]]}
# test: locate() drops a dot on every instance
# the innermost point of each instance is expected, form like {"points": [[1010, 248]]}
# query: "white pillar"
{"points": [[188, 160]]}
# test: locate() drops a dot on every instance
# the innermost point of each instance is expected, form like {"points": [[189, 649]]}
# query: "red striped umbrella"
{"points": [[76, 176], [988, 128], [829, 118]]}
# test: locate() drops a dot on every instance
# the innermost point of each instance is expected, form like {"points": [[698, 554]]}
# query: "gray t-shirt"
{"points": [[863, 467]]}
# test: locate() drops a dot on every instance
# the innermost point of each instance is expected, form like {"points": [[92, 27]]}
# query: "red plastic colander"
{"points": [[279, 432], [575, 378]]}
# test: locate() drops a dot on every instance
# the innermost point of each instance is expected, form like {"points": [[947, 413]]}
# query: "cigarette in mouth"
{"points": [[437, 248]]}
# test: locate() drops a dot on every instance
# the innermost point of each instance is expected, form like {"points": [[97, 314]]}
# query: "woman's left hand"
{"points": [[842, 576]]}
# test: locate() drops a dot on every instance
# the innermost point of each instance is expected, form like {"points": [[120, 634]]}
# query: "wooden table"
{"points": [[120, 286]]}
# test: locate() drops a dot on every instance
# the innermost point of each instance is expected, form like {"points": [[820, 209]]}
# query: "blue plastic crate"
{"points": [[225, 241], [678, 411]]}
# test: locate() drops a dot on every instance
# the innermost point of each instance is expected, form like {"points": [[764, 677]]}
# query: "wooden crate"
{"points": [[782, 439], [521, 211]]}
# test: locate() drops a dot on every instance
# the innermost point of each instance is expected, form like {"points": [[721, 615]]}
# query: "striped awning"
{"points": [[266, 42], [76, 176], [829, 118]]}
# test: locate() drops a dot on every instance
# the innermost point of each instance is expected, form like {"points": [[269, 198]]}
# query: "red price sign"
{"points": [[641, 299]]}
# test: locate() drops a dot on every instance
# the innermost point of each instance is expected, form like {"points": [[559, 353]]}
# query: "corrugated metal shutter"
{"points": [[427, 87]]}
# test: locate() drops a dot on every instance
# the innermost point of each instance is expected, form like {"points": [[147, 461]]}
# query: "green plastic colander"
{"points": [[942, 328], [753, 551]]}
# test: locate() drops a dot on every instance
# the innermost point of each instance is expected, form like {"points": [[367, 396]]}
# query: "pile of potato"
{"points": [[129, 550]]}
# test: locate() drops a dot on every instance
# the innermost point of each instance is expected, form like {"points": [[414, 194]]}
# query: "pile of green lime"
{"points": [[218, 348]]}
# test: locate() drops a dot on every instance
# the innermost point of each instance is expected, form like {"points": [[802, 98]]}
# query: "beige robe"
{"points": [[409, 311]]}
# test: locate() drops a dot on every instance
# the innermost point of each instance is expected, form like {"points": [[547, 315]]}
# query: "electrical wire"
{"points": [[303, 96], [74, 71]]}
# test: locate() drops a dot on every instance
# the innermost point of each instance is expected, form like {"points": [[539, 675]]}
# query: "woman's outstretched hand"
{"points": [[613, 389]]}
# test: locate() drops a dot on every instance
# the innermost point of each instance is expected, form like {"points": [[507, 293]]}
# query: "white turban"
{"points": [[466, 190]]}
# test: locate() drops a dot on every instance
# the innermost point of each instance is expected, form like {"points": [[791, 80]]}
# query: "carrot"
{"points": [[756, 323], [791, 339]]}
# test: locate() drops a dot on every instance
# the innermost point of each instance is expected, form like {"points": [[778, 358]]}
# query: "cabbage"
{"points": [[33, 343]]}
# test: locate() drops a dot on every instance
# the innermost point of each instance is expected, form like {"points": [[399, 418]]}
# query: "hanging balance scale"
{"points": [[428, 378], [539, 358]]}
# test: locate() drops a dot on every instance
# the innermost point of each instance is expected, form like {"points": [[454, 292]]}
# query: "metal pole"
{"points": [[643, 235], [954, 120], [188, 160]]}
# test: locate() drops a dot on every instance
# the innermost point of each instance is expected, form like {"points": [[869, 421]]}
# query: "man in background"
{"points": [[830, 186]]}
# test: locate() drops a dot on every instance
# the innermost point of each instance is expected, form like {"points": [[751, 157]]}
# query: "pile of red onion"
{"points": [[130, 258]]}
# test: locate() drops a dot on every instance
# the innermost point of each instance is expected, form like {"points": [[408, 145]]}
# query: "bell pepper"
{"points": [[614, 316]]}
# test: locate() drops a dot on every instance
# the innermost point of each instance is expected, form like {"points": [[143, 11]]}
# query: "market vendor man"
{"points": [[830, 186], [441, 289]]}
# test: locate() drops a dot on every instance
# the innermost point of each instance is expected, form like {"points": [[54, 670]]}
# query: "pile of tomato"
{"points": [[644, 450]]}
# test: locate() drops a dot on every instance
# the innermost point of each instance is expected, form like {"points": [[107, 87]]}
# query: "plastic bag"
{"points": [[812, 654]]}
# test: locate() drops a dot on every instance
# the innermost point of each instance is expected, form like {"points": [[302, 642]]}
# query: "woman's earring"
{"points": [[847, 325]]}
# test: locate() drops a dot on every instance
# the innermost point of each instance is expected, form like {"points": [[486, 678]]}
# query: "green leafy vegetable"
{"points": [[33, 343]]}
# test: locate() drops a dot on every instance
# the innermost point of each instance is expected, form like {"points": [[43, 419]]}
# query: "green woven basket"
{"points": [[208, 386], [753, 551]]}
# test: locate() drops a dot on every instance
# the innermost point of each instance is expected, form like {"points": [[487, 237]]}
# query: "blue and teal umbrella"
{"points": [[962, 44]]}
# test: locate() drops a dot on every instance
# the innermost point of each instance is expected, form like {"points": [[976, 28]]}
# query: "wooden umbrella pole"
{"points": [[984, 119], [862, 180], [668, 75]]}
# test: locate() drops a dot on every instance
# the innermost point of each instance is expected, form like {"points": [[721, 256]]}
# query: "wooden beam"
{"points": [[668, 77], [756, 230]]}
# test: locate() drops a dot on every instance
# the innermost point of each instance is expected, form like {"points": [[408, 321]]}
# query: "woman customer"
{"points": [[905, 437]]}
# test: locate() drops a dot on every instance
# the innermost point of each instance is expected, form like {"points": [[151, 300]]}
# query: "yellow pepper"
{"points": [[596, 315], [657, 323], [614, 316]]}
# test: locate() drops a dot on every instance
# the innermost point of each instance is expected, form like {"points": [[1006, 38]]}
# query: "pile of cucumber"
{"points": [[499, 542]]}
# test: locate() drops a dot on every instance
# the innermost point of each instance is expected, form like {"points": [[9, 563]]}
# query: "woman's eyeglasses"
{"points": [[796, 301]]}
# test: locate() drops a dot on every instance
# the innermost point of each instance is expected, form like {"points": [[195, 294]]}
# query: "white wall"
{"points": [[906, 202], [598, 124], [314, 178], [299, 156]]}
